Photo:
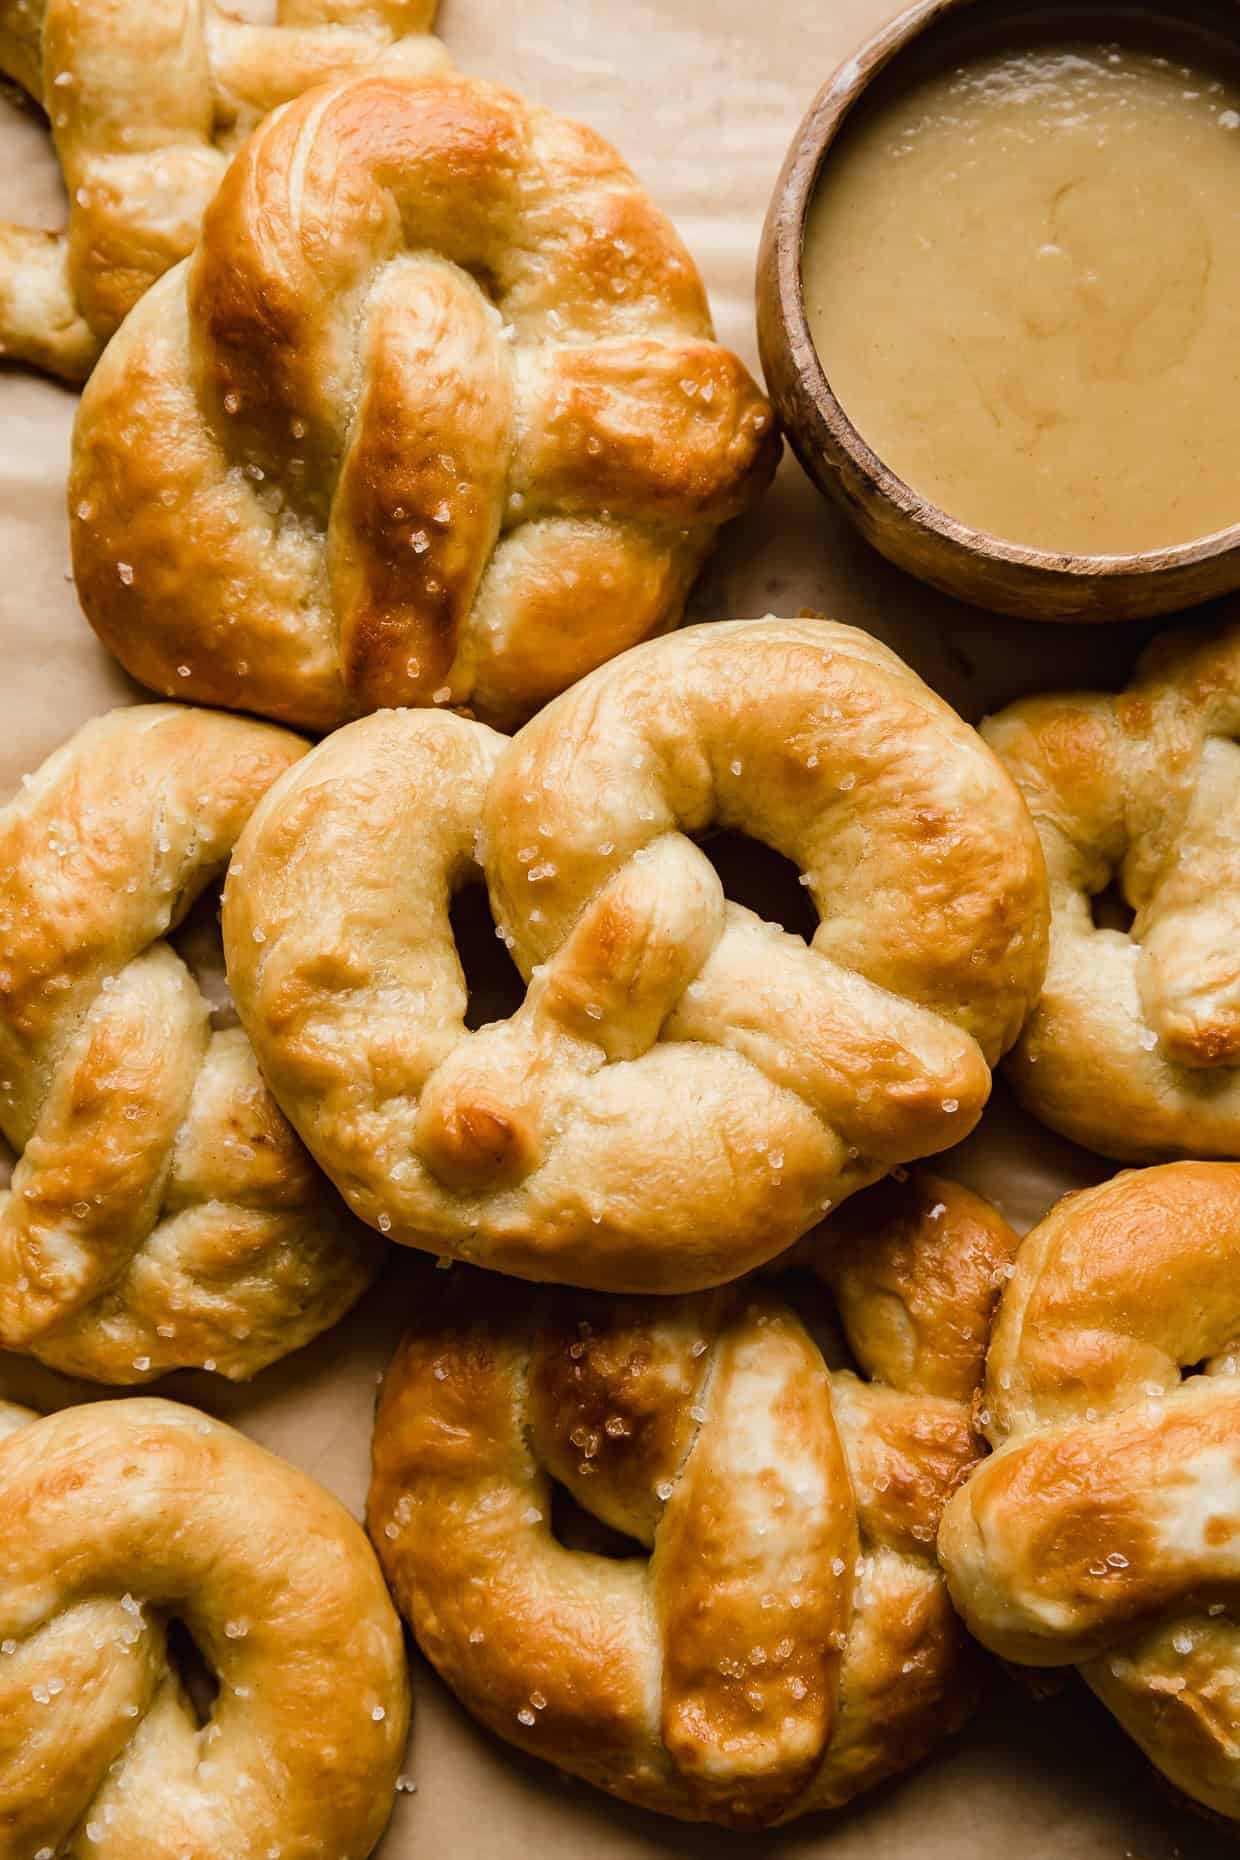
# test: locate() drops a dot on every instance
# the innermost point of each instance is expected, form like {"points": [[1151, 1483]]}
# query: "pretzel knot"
{"points": [[434, 415], [785, 1641], [147, 99], [129, 1524], [1134, 1047], [1104, 1530], [685, 1086], [162, 1212]]}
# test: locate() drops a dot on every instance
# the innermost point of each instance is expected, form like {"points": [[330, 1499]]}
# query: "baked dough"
{"points": [[123, 1518], [146, 100], [1103, 1532], [433, 415], [685, 1087], [162, 1212], [1134, 1046], [775, 1637]]}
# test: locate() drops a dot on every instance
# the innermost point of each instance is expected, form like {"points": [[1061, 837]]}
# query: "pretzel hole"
{"points": [[16, 101], [198, 943], [756, 876], [1111, 910], [575, 1528], [486, 280], [817, 1310], [494, 985], [197, 1676]]}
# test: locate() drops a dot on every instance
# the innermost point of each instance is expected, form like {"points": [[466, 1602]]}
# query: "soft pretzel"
{"points": [[685, 1087], [1104, 1531], [146, 100], [434, 415], [162, 1212], [776, 1636], [127, 1522], [1134, 1047], [13, 1416]]}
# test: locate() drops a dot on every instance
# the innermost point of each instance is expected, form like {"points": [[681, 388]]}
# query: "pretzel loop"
{"points": [[146, 103], [161, 1211], [129, 1516], [436, 408], [785, 1640], [1133, 1046], [1103, 1532], [684, 1087]]}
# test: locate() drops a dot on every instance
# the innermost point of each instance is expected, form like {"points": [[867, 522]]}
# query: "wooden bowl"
{"points": [[909, 530]]}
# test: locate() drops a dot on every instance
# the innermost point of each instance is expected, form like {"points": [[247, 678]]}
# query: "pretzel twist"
{"points": [[434, 414], [1103, 1531], [786, 1640], [162, 1212], [1134, 1046], [122, 1518], [146, 100], [685, 1087]]}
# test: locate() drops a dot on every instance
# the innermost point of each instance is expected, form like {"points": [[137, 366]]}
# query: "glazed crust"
{"points": [[146, 100], [434, 415], [685, 1087], [1102, 1532], [786, 1641], [122, 1518], [162, 1213], [1134, 1045]]}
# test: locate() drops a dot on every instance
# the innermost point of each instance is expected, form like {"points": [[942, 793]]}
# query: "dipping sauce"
{"points": [[1022, 278]]}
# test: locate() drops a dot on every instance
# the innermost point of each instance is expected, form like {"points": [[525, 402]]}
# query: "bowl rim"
{"points": [[809, 150]]}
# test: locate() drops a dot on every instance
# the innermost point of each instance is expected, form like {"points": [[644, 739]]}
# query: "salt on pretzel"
{"points": [[776, 1637], [685, 1087], [1103, 1533], [123, 1518], [434, 415], [146, 100], [162, 1212], [1134, 1046]]}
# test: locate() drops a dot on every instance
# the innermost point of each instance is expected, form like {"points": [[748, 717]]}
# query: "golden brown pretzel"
{"points": [[162, 1212], [13, 1416], [1104, 1531], [786, 1640], [147, 100], [123, 1518], [434, 415], [685, 1087], [1134, 1047]]}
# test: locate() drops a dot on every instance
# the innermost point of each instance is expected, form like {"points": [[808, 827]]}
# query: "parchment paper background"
{"points": [[702, 96]]}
